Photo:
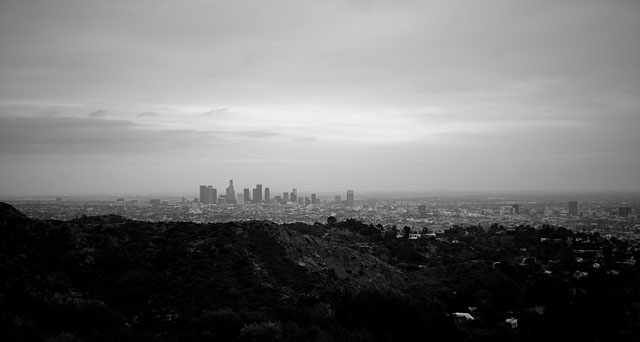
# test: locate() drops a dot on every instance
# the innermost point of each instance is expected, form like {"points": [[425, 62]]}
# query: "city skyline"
{"points": [[155, 96], [325, 193], [208, 195]]}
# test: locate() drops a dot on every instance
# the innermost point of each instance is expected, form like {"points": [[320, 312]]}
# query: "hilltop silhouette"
{"points": [[9, 214]]}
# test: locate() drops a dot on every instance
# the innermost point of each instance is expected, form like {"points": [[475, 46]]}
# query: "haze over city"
{"points": [[162, 96]]}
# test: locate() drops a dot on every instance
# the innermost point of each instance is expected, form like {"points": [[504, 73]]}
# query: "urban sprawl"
{"points": [[427, 213]]}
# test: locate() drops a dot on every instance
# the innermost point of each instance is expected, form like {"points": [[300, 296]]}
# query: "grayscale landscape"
{"points": [[341, 170]]}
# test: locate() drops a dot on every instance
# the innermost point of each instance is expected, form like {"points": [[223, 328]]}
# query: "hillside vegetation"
{"points": [[108, 278]]}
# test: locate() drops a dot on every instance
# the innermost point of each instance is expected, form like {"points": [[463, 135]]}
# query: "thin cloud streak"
{"points": [[147, 115]]}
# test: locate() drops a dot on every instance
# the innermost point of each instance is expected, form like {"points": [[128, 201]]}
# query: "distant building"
{"points": [[204, 194], [267, 195], [314, 199], [155, 202], [507, 210], [486, 212], [257, 198], [212, 193], [624, 211], [573, 208], [422, 209], [350, 198], [462, 317], [516, 209], [208, 195], [285, 197], [338, 200], [294, 195], [255, 195], [247, 196], [307, 201], [231, 193]]}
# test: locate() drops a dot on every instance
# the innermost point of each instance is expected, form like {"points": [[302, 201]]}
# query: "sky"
{"points": [[123, 97]]}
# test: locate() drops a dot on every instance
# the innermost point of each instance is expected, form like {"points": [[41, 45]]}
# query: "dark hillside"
{"points": [[108, 278], [107, 275], [9, 214]]}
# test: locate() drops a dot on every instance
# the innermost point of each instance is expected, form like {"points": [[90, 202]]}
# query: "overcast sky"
{"points": [[161, 96]]}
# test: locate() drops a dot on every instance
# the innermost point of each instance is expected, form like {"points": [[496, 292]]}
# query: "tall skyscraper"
{"points": [[231, 193], [285, 197], [350, 198], [314, 199], [204, 194], [573, 208], [516, 209], [212, 194], [267, 195], [247, 196], [255, 195], [294, 195], [338, 200], [257, 198]]}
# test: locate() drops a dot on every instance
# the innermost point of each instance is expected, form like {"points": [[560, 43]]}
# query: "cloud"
{"points": [[98, 114], [216, 111], [276, 161], [147, 115], [305, 139], [71, 135], [263, 133]]}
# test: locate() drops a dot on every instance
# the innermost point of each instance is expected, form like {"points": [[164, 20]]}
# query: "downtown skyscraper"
{"points": [[231, 193], [574, 209], [208, 195], [350, 198], [247, 195], [257, 194]]}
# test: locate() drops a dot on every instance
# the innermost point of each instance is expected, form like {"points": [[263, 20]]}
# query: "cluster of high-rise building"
{"points": [[209, 195], [574, 210]]}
